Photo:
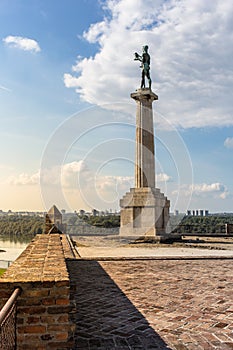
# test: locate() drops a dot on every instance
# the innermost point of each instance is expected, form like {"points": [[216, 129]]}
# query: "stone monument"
{"points": [[144, 210], [53, 221]]}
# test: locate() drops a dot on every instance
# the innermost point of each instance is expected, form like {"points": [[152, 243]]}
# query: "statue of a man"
{"points": [[145, 59]]}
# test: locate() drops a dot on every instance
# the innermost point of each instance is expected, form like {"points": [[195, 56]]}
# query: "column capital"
{"points": [[144, 94]]}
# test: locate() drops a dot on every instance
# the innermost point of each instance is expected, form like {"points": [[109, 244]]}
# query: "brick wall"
{"points": [[44, 305]]}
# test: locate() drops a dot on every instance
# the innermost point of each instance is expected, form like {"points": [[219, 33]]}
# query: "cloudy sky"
{"points": [[67, 120]]}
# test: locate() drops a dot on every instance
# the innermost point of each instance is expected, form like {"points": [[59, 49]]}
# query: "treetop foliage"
{"points": [[21, 225]]}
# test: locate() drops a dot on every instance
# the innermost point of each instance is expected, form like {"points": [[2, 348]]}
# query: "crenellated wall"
{"points": [[44, 304]]}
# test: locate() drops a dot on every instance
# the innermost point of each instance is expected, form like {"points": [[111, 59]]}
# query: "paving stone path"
{"points": [[153, 304]]}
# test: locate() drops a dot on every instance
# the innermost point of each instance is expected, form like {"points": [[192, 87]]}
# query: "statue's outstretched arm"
{"points": [[137, 57]]}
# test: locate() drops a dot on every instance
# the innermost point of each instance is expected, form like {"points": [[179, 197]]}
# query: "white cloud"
{"points": [[228, 143], [111, 184], [96, 190], [204, 188], [70, 81], [191, 46], [80, 184], [25, 44], [213, 190], [23, 179], [70, 171], [73, 167], [224, 195], [78, 174], [162, 177], [64, 175]]}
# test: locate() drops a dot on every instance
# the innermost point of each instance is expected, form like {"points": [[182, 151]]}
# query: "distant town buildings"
{"points": [[198, 212], [80, 212], [193, 212], [22, 213], [95, 212]]}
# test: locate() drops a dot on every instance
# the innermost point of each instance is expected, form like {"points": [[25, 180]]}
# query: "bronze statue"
{"points": [[145, 60]]}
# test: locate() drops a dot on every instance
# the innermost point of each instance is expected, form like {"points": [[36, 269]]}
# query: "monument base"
{"points": [[144, 212]]}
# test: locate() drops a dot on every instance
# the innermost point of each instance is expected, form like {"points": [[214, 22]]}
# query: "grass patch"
{"points": [[2, 271]]}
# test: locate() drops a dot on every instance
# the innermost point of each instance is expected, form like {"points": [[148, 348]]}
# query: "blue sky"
{"points": [[66, 75]]}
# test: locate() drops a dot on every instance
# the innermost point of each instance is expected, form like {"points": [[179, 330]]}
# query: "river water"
{"points": [[11, 246]]}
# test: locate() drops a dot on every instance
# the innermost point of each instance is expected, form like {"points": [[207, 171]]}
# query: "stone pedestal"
{"points": [[144, 210]]}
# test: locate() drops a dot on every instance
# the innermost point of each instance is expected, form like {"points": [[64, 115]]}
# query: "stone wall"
{"points": [[44, 305]]}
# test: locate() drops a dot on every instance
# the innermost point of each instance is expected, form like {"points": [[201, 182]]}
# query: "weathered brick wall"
{"points": [[44, 304]]}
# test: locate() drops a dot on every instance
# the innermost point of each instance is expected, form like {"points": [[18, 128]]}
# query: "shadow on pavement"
{"points": [[105, 318]]}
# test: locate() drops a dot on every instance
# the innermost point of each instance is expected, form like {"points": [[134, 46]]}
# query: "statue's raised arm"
{"points": [[137, 57], [145, 60]]}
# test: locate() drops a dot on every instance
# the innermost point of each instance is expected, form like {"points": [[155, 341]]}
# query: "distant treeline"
{"points": [[205, 224], [32, 225], [186, 224], [21, 225], [107, 221]]}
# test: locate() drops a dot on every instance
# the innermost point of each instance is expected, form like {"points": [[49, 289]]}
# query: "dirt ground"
{"points": [[223, 243]]}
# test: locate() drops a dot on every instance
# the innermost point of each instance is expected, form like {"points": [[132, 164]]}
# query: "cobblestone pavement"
{"points": [[153, 304]]}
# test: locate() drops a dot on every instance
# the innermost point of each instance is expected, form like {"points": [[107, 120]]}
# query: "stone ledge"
{"points": [[42, 260], [144, 196], [44, 305], [145, 93]]}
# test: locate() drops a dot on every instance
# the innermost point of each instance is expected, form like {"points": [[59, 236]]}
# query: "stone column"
{"points": [[144, 209], [145, 160]]}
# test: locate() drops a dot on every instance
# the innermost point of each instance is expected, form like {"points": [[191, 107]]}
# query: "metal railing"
{"points": [[8, 322]]}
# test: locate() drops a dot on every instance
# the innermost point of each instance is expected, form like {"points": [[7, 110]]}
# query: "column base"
{"points": [[144, 212]]}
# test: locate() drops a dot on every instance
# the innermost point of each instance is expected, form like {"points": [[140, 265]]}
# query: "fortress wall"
{"points": [[44, 305]]}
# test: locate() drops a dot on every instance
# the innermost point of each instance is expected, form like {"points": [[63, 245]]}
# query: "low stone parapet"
{"points": [[44, 305]]}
